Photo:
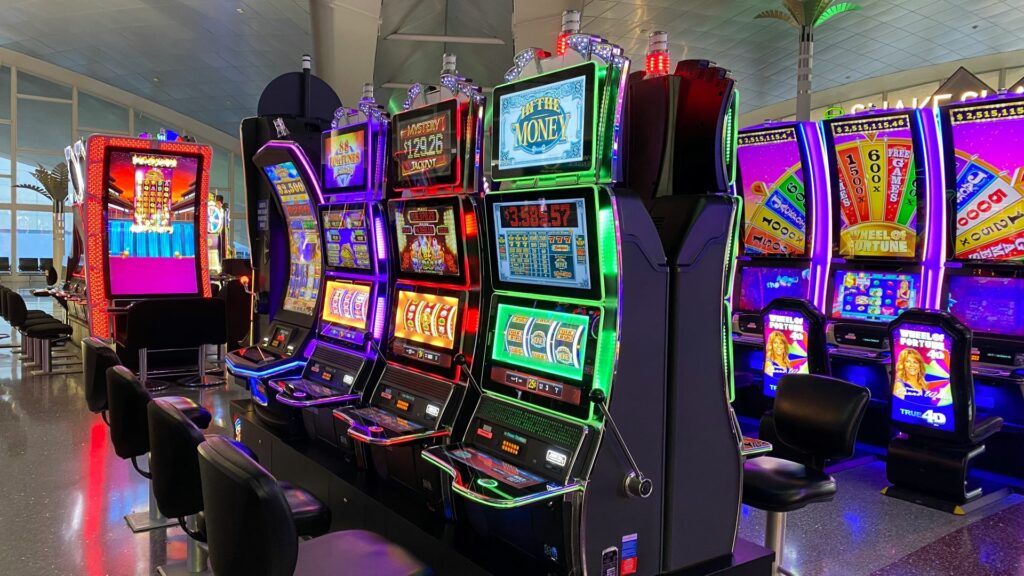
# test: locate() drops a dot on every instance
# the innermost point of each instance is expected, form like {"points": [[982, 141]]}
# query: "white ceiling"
{"points": [[207, 60]]}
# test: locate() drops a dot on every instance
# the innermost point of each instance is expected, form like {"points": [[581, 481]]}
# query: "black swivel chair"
{"points": [[5, 264], [28, 265], [238, 312], [127, 404], [250, 530], [40, 335], [97, 359], [818, 416]]}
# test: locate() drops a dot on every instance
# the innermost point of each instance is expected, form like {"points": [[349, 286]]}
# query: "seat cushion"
{"points": [[197, 414], [312, 517], [39, 321], [52, 330], [355, 553], [778, 485]]}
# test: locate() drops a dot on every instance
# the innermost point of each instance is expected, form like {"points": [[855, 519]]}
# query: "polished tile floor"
{"points": [[63, 495]]}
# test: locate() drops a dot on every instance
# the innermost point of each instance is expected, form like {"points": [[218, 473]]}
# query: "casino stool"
{"points": [[41, 334], [818, 416], [97, 358], [250, 531], [127, 402], [173, 324]]}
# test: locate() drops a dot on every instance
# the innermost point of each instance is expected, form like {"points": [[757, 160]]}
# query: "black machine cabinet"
{"points": [[932, 406]]}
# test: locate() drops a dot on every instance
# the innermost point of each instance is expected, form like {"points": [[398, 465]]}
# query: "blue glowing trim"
{"points": [[238, 371], [257, 395]]}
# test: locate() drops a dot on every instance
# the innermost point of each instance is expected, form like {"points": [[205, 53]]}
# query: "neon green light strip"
{"points": [[730, 269]]}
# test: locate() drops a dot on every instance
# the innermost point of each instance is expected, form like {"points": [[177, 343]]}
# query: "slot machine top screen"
{"points": [[774, 193], [876, 175], [347, 237], [544, 124], [873, 296], [985, 180], [346, 159], [426, 146], [303, 238], [428, 239], [544, 244], [151, 223]]}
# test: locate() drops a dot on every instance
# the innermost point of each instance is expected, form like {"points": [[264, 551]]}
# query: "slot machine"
{"points": [[983, 285], [578, 310], [145, 221], [887, 209], [72, 292], [785, 245], [433, 313], [286, 343], [355, 284]]}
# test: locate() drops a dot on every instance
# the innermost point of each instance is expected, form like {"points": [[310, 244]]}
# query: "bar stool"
{"points": [[818, 416], [127, 405]]}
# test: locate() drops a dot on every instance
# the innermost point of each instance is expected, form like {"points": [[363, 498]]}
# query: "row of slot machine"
{"points": [[869, 215], [473, 342]]}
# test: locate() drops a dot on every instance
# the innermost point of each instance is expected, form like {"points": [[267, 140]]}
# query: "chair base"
{"points": [[984, 498], [154, 385], [205, 381], [142, 522]]}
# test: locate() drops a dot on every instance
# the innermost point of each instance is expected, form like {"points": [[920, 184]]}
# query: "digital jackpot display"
{"points": [[545, 340], [785, 347], [151, 223], [427, 240], [346, 164], [774, 193], [921, 393], [543, 124], [303, 239], [988, 304], [346, 304], [873, 296], [346, 237], [424, 146], [986, 175], [759, 285], [426, 318], [543, 243], [876, 179]]}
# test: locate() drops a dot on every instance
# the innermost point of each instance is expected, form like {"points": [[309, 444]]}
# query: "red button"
{"points": [[485, 433]]}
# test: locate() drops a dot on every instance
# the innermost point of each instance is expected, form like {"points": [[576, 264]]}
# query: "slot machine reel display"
{"points": [[433, 314]]}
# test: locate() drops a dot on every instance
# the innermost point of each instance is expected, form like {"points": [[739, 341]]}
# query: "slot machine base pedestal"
{"points": [[989, 496]]}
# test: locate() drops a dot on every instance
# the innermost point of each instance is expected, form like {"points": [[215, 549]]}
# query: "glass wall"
{"points": [[39, 116]]}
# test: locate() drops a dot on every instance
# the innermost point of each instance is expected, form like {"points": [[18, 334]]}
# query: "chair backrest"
{"points": [[166, 323], [98, 358], [174, 461], [17, 311], [819, 415], [126, 409], [249, 526], [5, 264], [51, 274], [3, 301], [238, 309], [28, 264]]}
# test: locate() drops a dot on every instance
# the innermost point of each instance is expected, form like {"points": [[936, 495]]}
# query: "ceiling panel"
{"points": [[210, 59]]}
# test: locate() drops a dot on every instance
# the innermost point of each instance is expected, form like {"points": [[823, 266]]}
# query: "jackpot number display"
{"points": [[553, 215], [775, 211]]}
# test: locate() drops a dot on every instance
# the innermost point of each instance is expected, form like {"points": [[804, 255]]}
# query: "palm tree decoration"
{"points": [[805, 16], [53, 184]]}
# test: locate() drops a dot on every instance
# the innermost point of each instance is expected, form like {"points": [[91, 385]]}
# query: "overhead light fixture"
{"points": [[155, 79], [240, 10], [446, 39]]}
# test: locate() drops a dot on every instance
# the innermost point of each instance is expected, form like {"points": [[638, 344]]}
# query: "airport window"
{"points": [[28, 163], [31, 85], [5, 93], [96, 113], [34, 234], [5, 149], [44, 125]]}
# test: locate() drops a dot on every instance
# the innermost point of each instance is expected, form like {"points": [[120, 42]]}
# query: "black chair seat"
{"points": [[354, 553], [778, 485], [30, 314], [985, 428], [39, 321], [312, 517], [199, 416], [48, 331]]}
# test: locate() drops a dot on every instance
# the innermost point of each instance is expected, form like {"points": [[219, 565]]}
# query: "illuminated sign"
{"points": [[921, 392], [785, 347], [543, 125]]}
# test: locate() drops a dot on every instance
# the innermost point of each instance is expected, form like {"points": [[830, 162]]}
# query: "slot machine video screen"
{"points": [[428, 242], [303, 238], [759, 285], [425, 146], [346, 305], [988, 304], [986, 177], [774, 193], [346, 237], [346, 164], [921, 392], [785, 347], [543, 243], [151, 216], [544, 124], [873, 296], [875, 183], [427, 318]]}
